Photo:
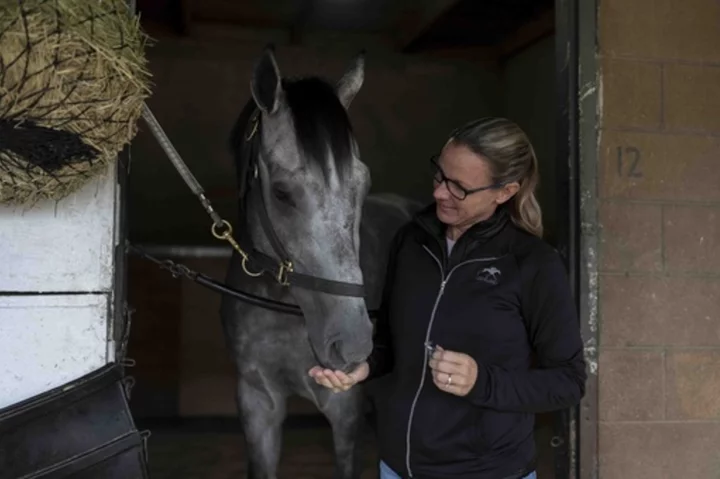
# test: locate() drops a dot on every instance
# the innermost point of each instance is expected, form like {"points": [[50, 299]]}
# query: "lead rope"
{"points": [[180, 165], [196, 188]]}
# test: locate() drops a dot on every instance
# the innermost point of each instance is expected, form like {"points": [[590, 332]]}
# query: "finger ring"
{"points": [[449, 379]]}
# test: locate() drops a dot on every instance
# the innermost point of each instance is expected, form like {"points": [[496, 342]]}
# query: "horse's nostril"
{"points": [[336, 351], [339, 355], [345, 354]]}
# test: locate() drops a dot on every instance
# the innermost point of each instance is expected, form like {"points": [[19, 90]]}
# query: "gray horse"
{"points": [[304, 195]]}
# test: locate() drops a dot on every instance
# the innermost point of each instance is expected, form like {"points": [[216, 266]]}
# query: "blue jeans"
{"points": [[387, 473]]}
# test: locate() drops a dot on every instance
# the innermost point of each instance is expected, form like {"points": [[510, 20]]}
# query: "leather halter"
{"points": [[255, 262]]}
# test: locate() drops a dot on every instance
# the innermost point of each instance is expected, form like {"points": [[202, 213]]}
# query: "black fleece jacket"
{"points": [[501, 297]]}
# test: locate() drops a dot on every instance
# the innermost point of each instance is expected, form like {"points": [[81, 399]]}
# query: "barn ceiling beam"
{"points": [[165, 17], [419, 19], [255, 14], [527, 34]]}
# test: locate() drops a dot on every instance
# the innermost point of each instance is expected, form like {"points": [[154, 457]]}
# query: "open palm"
{"points": [[337, 380]]}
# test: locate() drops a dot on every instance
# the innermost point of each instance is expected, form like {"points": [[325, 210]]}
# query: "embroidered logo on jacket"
{"points": [[489, 275]]}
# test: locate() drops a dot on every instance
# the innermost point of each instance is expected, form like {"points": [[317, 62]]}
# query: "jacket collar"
{"points": [[491, 234]]}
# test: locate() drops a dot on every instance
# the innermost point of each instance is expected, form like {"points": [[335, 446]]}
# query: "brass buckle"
{"points": [[282, 276]]}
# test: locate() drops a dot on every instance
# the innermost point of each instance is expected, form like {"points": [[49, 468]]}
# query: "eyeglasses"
{"points": [[455, 189]]}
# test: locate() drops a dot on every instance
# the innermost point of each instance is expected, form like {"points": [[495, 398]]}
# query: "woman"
{"points": [[478, 328]]}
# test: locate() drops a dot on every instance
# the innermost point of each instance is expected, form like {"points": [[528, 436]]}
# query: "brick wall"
{"points": [[659, 192]]}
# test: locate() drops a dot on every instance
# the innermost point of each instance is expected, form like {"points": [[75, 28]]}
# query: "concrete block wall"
{"points": [[659, 261]]}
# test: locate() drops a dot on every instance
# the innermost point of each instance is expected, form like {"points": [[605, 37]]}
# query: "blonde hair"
{"points": [[511, 157]]}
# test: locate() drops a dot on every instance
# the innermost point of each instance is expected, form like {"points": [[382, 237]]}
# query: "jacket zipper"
{"points": [[427, 338]]}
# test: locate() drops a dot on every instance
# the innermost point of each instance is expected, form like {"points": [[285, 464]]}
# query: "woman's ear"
{"points": [[506, 192]]}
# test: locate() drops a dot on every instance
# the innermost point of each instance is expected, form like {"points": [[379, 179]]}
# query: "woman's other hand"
{"points": [[453, 372], [337, 380]]}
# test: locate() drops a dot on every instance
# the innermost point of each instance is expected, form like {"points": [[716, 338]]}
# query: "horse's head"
{"points": [[313, 185]]}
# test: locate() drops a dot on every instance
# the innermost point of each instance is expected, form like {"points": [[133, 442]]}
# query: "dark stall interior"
{"points": [[431, 65]]}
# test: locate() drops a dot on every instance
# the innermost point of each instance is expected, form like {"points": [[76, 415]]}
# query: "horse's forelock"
{"points": [[322, 125]]}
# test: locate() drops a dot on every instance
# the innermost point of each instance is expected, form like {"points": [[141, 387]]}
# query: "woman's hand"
{"points": [[453, 372], [337, 380]]}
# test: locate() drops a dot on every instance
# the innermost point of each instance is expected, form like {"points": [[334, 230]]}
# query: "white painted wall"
{"points": [[56, 289], [60, 246], [48, 340]]}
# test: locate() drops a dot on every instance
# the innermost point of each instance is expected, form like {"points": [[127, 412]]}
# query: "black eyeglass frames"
{"points": [[455, 188]]}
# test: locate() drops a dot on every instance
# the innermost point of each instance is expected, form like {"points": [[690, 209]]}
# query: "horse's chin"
{"points": [[347, 369], [351, 367]]}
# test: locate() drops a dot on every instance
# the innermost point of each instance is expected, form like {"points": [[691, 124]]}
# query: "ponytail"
{"points": [[525, 210]]}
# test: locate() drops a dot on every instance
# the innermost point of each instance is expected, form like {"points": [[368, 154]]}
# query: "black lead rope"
{"points": [[179, 270]]}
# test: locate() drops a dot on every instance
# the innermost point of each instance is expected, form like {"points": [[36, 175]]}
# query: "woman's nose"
{"points": [[441, 192]]}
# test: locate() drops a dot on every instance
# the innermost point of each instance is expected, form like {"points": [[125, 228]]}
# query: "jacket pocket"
{"points": [[442, 429]]}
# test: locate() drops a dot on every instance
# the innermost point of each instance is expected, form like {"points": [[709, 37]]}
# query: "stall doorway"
{"points": [[432, 65]]}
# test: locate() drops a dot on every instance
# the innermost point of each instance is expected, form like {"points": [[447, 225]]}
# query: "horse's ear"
{"points": [[266, 82], [352, 80]]}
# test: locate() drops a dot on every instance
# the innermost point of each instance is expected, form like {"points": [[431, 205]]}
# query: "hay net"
{"points": [[73, 80]]}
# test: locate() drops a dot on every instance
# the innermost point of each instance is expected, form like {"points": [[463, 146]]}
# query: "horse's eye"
{"points": [[281, 194]]}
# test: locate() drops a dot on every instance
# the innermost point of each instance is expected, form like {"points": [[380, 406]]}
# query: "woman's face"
{"points": [[461, 168]]}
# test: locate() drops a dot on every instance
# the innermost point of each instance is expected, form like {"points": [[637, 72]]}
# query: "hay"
{"points": [[73, 80]]}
